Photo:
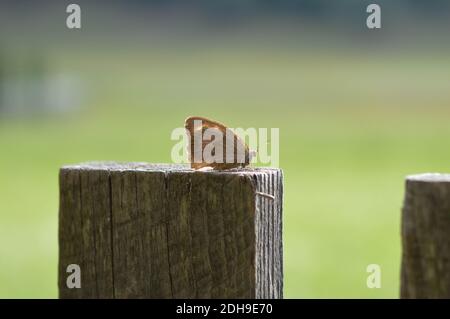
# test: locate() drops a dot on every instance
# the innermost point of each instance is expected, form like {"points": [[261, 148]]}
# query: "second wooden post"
{"points": [[425, 269]]}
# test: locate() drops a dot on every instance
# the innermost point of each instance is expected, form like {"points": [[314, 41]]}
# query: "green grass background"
{"points": [[351, 127]]}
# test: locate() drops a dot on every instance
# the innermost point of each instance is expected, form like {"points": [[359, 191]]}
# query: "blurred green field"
{"points": [[351, 127]]}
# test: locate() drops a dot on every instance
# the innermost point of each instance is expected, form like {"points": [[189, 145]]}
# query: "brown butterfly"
{"points": [[214, 145]]}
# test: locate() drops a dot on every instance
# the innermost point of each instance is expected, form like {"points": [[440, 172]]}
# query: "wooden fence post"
{"points": [[426, 237], [141, 230]]}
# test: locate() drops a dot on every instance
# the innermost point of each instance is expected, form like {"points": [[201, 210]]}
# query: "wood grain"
{"points": [[142, 230]]}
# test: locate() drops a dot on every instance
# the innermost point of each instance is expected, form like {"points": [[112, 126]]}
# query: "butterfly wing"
{"points": [[196, 127]]}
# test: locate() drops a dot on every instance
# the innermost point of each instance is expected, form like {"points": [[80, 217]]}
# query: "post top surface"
{"points": [[429, 178], [160, 167]]}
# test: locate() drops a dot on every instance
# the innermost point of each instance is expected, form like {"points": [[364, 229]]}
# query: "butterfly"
{"points": [[215, 146]]}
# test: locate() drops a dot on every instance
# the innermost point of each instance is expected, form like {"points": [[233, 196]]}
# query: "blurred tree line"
{"points": [[293, 7]]}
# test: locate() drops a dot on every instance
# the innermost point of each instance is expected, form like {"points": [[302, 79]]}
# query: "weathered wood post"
{"points": [[426, 237], [165, 231]]}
